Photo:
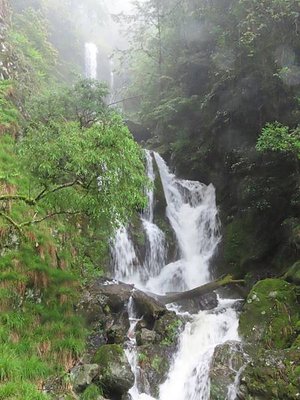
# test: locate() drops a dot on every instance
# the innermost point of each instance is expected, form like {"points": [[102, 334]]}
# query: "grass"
{"points": [[40, 279]]}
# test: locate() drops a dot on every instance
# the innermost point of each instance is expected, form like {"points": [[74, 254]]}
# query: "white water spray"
{"points": [[91, 53]]}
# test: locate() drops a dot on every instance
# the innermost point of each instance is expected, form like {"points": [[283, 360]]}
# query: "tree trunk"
{"points": [[199, 291]]}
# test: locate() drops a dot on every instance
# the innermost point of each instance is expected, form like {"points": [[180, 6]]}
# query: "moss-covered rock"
{"points": [[227, 361], [270, 314], [115, 374], [272, 375]]}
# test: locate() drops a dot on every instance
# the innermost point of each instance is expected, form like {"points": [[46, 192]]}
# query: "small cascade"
{"points": [[91, 53], [155, 258], [126, 264], [125, 260]]}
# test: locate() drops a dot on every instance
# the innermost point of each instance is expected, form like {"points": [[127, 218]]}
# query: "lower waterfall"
{"points": [[193, 216]]}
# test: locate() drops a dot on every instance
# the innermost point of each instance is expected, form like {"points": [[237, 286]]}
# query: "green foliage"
{"points": [[96, 171], [277, 137], [83, 103]]}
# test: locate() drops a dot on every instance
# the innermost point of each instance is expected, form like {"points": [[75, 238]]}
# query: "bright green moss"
{"points": [[270, 314]]}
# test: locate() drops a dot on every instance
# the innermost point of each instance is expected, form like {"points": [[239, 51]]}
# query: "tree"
{"points": [[278, 137], [81, 159], [83, 102]]}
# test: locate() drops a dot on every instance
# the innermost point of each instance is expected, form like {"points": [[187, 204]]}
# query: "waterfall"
{"points": [[193, 216], [91, 53]]}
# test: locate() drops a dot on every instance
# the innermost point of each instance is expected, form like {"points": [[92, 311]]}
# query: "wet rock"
{"points": [[145, 336], [127, 396], [206, 302], [293, 274], [117, 334], [154, 364], [116, 376], [228, 360], [83, 375]]}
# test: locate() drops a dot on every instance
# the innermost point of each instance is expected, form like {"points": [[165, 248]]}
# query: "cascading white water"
{"points": [[126, 265], [189, 376], [131, 352], [91, 53], [192, 212], [125, 261]]}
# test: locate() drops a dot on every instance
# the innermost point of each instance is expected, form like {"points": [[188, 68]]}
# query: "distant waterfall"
{"points": [[91, 53]]}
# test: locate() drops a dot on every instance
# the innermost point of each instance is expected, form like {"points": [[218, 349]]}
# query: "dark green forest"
{"points": [[213, 86]]}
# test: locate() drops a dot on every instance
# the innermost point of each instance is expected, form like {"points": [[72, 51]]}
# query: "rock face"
{"points": [[270, 325]]}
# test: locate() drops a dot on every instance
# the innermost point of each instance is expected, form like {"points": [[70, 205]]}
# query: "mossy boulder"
{"points": [[228, 359], [116, 376], [83, 375], [272, 375], [293, 274], [270, 315]]}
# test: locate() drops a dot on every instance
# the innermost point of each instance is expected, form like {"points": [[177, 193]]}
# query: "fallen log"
{"points": [[199, 291]]}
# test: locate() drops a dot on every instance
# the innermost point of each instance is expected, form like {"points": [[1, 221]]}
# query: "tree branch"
{"points": [[27, 200], [54, 214], [11, 221]]}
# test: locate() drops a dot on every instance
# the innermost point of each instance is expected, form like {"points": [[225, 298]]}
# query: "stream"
{"points": [[192, 213]]}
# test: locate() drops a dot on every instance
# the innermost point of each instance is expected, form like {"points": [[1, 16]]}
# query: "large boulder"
{"points": [[116, 376]]}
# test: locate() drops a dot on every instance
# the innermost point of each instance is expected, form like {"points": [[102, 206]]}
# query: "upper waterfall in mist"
{"points": [[91, 64]]}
